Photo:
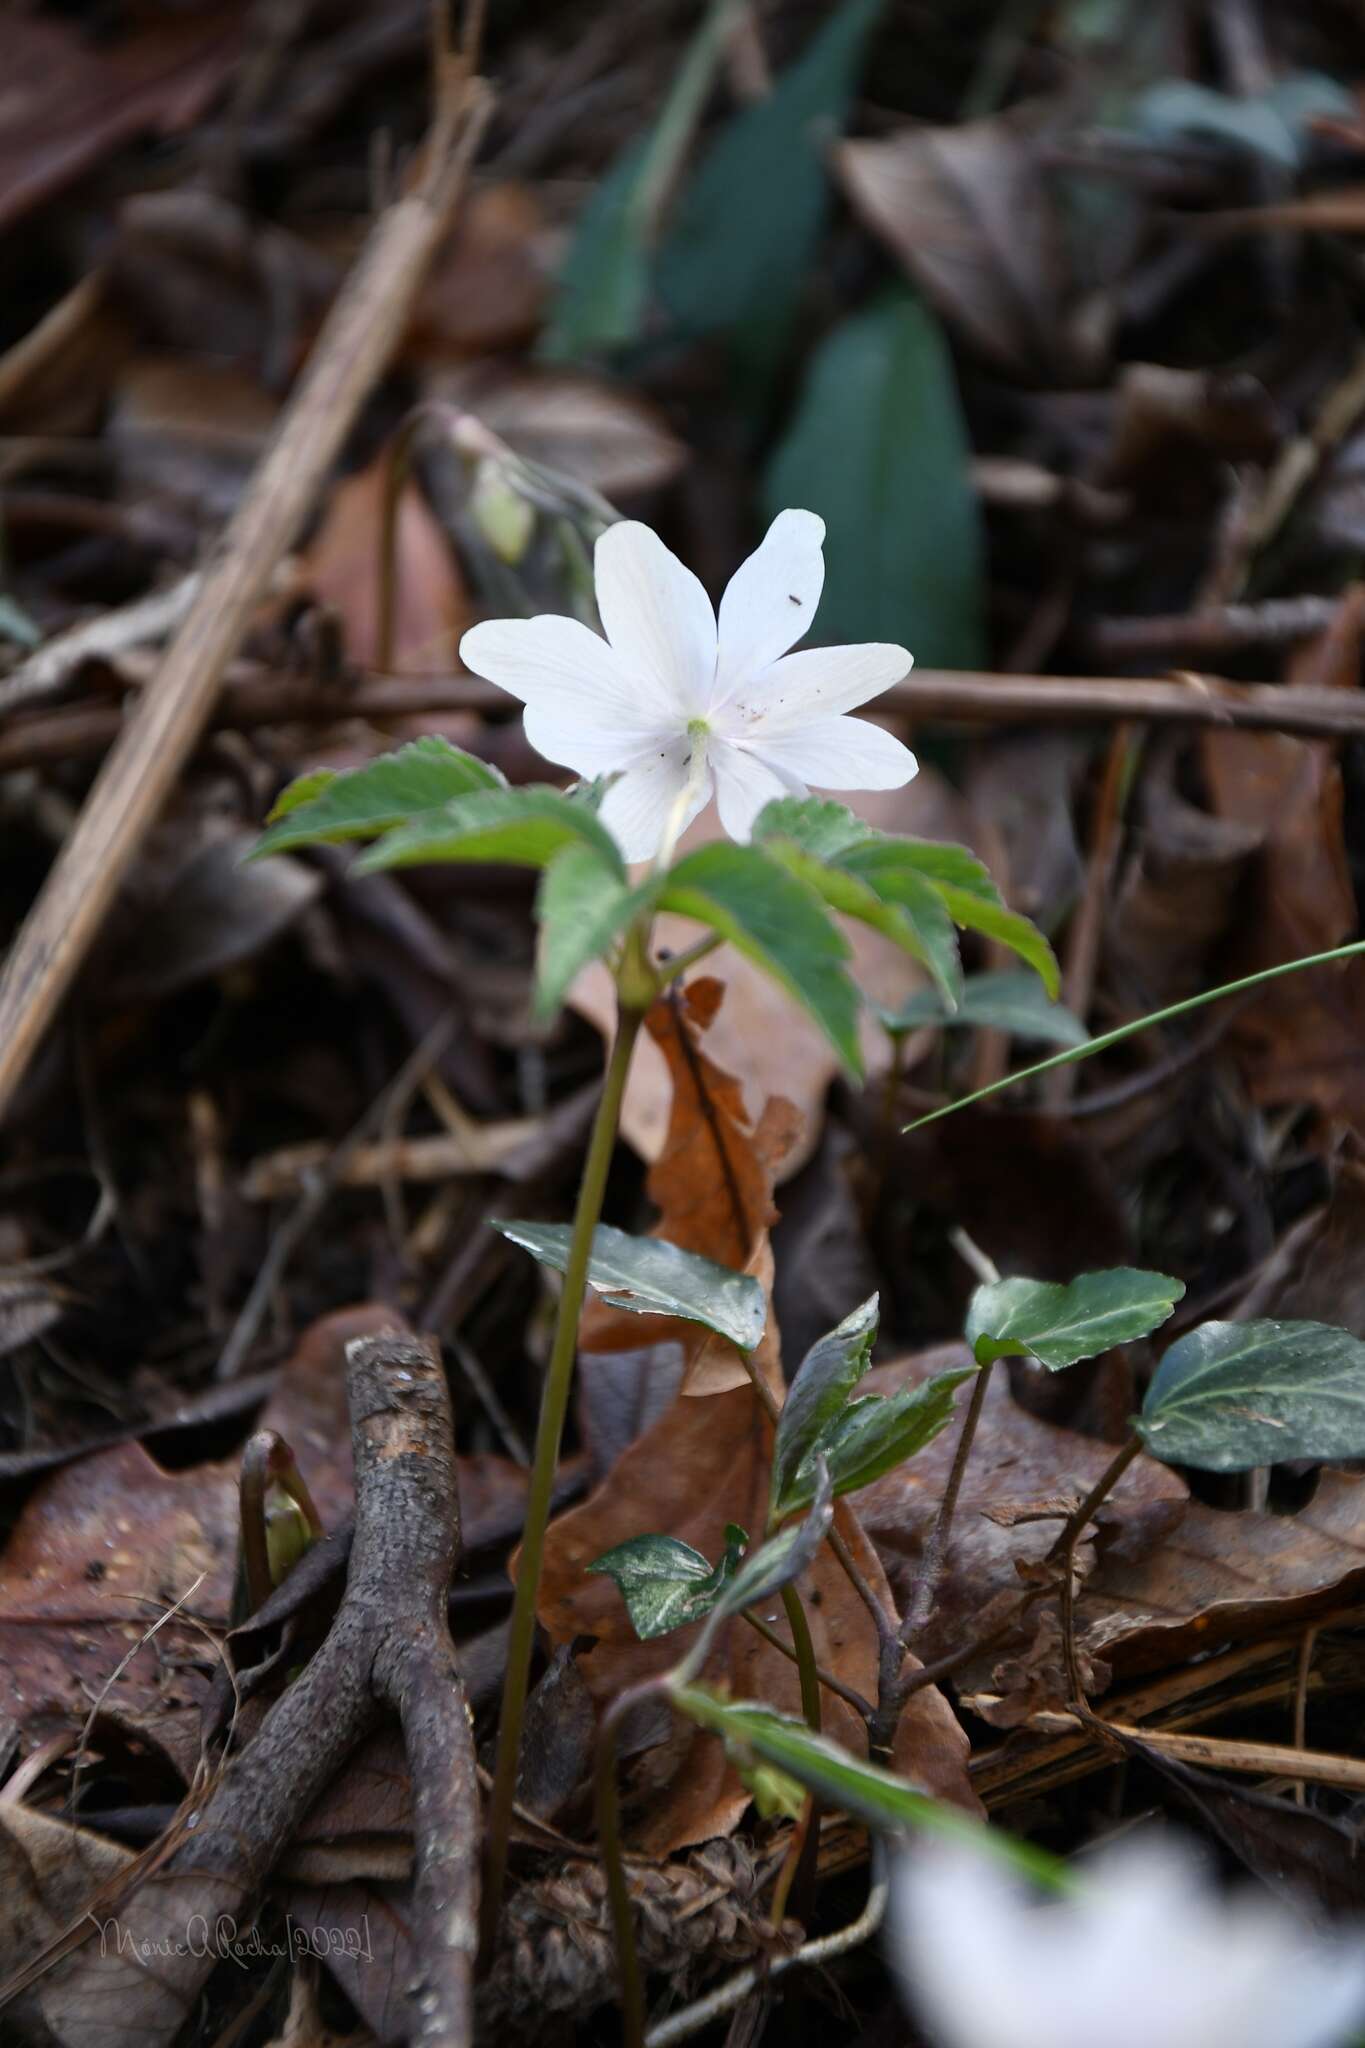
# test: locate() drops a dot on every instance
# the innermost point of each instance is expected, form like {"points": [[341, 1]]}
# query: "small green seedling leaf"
{"points": [[880, 1798], [583, 908], [825, 1378], [780, 923], [1058, 1325], [873, 1436], [1231, 1396], [1009, 1000], [769, 1568], [651, 1277], [327, 807], [665, 1583], [525, 826]]}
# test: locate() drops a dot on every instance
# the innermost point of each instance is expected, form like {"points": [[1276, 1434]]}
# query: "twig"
{"points": [[1221, 629], [389, 1645], [1257, 1759], [921, 1604], [680, 2026], [141, 769], [104, 638], [1087, 921]]}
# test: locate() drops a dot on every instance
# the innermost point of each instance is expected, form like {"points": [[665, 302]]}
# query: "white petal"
{"points": [[636, 809], [816, 682], [657, 617], [557, 661], [744, 783], [587, 749], [837, 753], [769, 602]]}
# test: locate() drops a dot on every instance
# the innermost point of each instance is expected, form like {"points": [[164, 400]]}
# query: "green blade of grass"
{"points": [[1108, 1038]]}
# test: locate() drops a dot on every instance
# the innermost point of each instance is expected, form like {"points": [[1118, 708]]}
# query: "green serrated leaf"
{"points": [[527, 827], [665, 1583], [1007, 928], [822, 1384], [818, 825], [326, 807], [878, 448], [583, 906], [651, 1277], [900, 869], [1231, 1396], [780, 923], [883, 1799], [873, 1436], [1058, 1325], [1008, 1000]]}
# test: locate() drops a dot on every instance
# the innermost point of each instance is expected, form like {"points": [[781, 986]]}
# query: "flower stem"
{"points": [[805, 1657], [550, 1429], [1103, 1486], [607, 1801]]}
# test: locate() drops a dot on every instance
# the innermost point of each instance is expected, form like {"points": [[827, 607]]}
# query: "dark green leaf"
{"points": [[823, 1382], [744, 233], [1058, 1325], [604, 285], [817, 825], [665, 1583], [651, 1277], [780, 923], [583, 906], [1230, 1396], [1007, 928], [878, 448], [873, 1436], [882, 1799], [924, 931], [1005, 1001], [899, 869], [525, 826], [325, 807]]}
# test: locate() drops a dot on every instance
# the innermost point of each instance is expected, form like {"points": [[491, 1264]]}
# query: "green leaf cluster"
{"points": [[1060, 1325], [773, 900], [822, 1429]]}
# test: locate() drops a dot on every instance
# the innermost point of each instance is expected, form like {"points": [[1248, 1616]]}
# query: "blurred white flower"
{"points": [[682, 706], [1146, 1955]]}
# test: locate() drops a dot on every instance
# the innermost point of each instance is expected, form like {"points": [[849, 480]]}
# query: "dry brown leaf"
{"points": [[341, 568], [1017, 1463], [597, 432], [50, 1872], [703, 1465], [967, 213], [487, 285], [712, 1184]]}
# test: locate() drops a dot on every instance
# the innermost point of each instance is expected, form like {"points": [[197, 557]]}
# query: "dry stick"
{"points": [[388, 1646], [351, 353], [251, 700], [936, 1549]]}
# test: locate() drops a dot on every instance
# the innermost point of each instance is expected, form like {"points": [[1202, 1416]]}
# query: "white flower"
{"points": [[1147, 1955], [682, 706]]}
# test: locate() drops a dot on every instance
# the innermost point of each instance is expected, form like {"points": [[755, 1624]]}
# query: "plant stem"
{"points": [[607, 1801], [805, 1657], [550, 1429], [826, 1678], [669, 970], [936, 1549], [1104, 1485]]}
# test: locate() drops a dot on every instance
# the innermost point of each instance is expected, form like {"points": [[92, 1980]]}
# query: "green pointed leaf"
{"points": [[898, 869], [878, 448], [780, 923], [525, 826], [822, 1384], [604, 286], [326, 807], [743, 235], [816, 824], [665, 1583], [1058, 1325], [883, 1799], [1230, 1396], [582, 908], [873, 1436], [1009, 1001], [917, 921], [651, 1277]]}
